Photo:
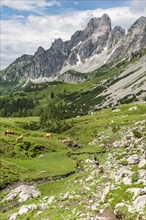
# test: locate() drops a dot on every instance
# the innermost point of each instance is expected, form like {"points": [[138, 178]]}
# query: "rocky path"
{"points": [[118, 184]]}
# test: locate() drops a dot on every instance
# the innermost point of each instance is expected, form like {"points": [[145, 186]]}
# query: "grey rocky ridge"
{"points": [[87, 50]]}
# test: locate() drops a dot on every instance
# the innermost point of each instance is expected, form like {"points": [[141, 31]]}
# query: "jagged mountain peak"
{"points": [[93, 23], [138, 25], [141, 20], [105, 20], [98, 22], [39, 51], [57, 42], [118, 28], [87, 50]]}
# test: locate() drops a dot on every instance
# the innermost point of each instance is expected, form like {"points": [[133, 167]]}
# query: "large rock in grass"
{"points": [[136, 192], [140, 203], [142, 163], [23, 210], [134, 159], [123, 175], [23, 192], [13, 216], [26, 208]]}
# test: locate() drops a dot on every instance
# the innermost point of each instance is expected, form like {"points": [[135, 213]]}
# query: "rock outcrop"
{"points": [[23, 192], [85, 51], [115, 183]]}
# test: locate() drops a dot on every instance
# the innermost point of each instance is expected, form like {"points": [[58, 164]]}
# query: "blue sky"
{"points": [[28, 24], [57, 7]]}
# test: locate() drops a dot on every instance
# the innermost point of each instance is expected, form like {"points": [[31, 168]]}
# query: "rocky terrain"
{"points": [[87, 50], [126, 85], [62, 106], [116, 189]]}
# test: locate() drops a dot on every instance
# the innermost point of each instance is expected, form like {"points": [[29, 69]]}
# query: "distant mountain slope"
{"points": [[129, 85], [87, 50], [110, 85]]}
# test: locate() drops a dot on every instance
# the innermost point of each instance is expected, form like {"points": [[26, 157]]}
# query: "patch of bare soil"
{"points": [[109, 215]]}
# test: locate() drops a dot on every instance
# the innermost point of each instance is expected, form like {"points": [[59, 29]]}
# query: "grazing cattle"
{"points": [[9, 132], [20, 138], [48, 135]]}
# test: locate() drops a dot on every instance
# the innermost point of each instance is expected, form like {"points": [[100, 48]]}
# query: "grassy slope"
{"points": [[79, 97], [57, 162], [82, 132]]}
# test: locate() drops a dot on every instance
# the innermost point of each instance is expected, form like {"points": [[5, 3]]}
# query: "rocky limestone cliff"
{"points": [[85, 51], [70, 77], [134, 40]]}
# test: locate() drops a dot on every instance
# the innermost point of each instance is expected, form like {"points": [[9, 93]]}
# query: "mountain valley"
{"points": [[61, 107]]}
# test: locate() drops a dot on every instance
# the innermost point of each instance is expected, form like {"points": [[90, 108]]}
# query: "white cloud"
{"points": [[23, 36], [29, 5], [138, 5]]}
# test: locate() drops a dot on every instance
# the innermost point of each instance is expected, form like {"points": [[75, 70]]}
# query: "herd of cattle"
{"points": [[68, 143], [20, 138]]}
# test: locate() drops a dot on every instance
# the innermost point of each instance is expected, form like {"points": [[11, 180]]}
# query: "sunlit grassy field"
{"points": [[58, 161]]}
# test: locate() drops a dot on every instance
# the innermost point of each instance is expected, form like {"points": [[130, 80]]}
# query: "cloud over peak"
{"points": [[21, 34], [29, 5]]}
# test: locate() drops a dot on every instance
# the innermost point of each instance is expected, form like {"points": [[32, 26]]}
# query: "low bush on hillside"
{"points": [[52, 118], [28, 149], [9, 174], [123, 213], [134, 177], [137, 133]]}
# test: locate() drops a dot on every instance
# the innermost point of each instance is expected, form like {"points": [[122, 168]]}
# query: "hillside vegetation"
{"points": [[98, 91], [71, 185], [48, 170]]}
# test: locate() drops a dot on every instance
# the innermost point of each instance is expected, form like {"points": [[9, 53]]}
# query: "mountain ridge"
{"points": [[87, 50]]}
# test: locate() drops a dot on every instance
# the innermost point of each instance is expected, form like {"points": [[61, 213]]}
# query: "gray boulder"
{"points": [[24, 192], [13, 216], [142, 163], [134, 159], [140, 203]]}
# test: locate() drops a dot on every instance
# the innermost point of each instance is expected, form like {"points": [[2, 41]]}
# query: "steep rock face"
{"points": [[128, 84], [133, 41], [56, 56], [35, 68], [49, 62], [72, 78], [136, 36], [85, 51], [92, 41], [17, 68], [115, 36]]}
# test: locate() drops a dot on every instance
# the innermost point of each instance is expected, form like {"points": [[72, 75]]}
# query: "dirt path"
{"points": [[108, 215]]}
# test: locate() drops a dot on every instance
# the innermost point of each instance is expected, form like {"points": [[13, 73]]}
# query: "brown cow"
{"points": [[48, 135], [9, 132]]}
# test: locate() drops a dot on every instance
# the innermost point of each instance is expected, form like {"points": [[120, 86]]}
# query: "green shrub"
{"points": [[120, 156], [137, 133], [124, 162], [134, 177], [28, 149], [115, 129], [124, 214], [9, 174], [118, 195]]}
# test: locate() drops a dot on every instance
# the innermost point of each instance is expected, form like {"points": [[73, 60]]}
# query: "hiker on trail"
{"points": [[96, 160]]}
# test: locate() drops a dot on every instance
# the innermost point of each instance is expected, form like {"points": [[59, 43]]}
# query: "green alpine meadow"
{"points": [[73, 114]]}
